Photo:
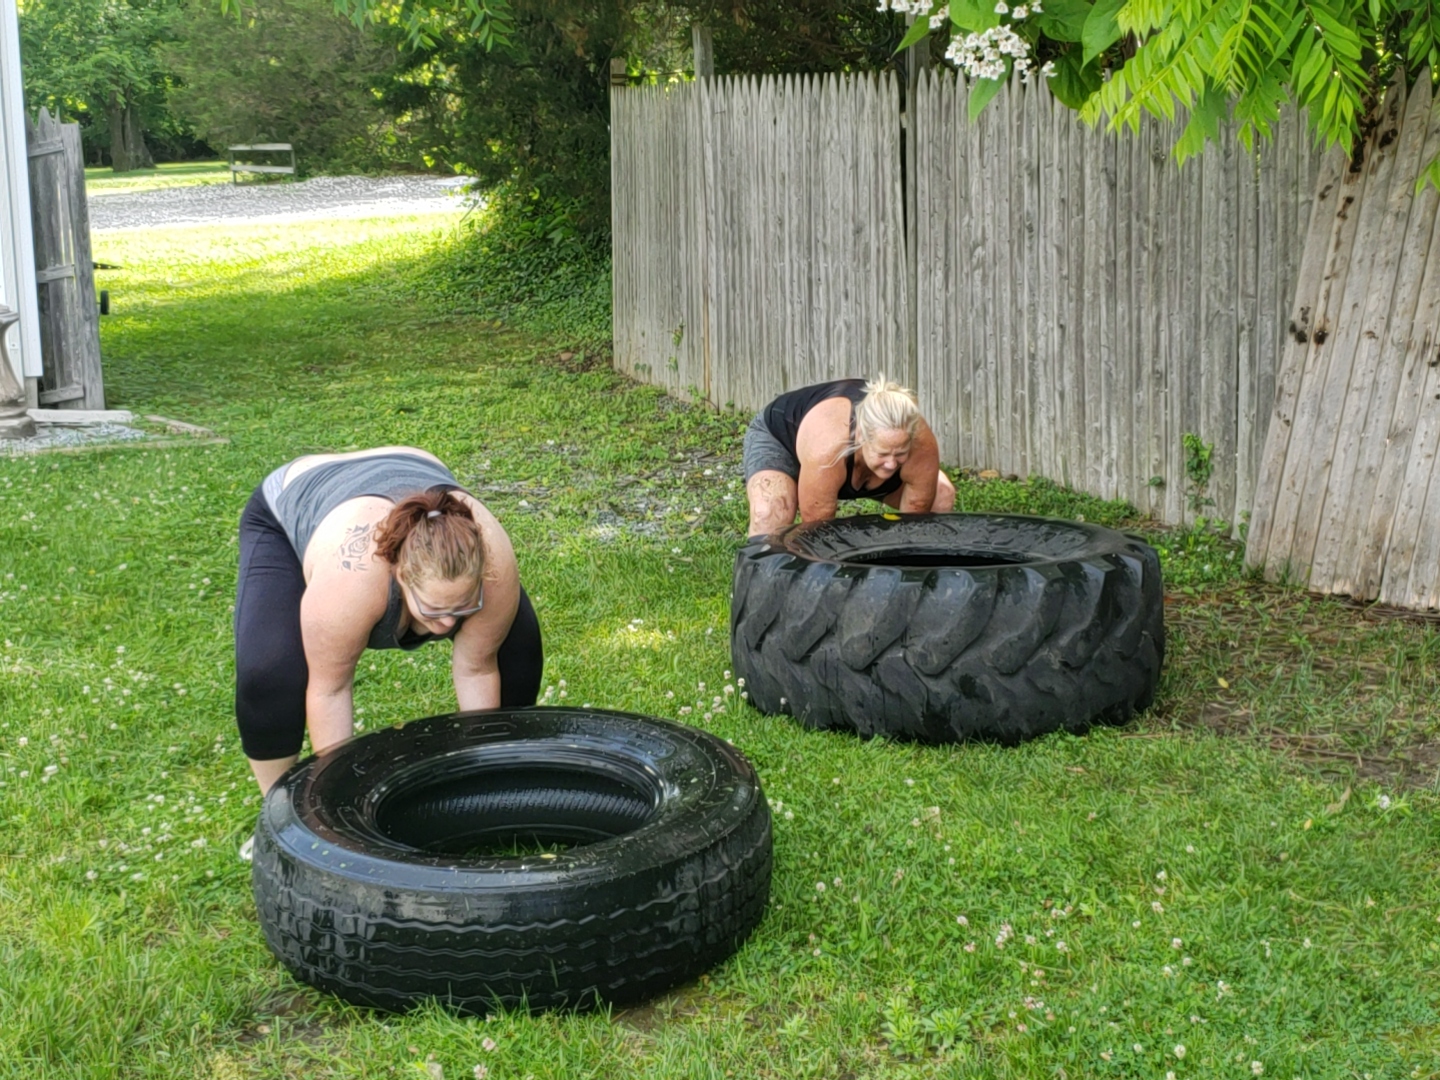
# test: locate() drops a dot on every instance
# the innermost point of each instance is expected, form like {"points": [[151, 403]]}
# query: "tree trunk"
{"points": [[127, 138]]}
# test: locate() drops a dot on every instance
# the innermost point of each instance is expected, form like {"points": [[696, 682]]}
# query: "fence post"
{"points": [[702, 47], [917, 58]]}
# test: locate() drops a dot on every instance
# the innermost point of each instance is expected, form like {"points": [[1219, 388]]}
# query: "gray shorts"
{"points": [[763, 451]]}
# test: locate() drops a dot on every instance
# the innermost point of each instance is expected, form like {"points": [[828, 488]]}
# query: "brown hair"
{"points": [[432, 536]]}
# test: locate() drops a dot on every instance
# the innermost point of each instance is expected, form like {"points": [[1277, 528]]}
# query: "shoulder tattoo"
{"points": [[355, 547]]}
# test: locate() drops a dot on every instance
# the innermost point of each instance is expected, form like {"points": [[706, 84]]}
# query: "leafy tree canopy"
{"points": [[1117, 59], [99, 57]]}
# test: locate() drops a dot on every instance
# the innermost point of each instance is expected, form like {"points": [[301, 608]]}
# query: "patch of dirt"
{"points": [[578, 362], [651, 1016], [1361, 685], [281, 1009]]}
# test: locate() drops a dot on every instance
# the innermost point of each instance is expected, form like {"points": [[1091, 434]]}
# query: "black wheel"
{"points": [[554, 858], [940, 627]]}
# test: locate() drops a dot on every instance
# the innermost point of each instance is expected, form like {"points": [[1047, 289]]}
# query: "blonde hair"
{"points": [[432, 536], [886, 406]]}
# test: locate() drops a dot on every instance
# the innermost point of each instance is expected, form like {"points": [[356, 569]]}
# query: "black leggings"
{"points": [[270, 670]]}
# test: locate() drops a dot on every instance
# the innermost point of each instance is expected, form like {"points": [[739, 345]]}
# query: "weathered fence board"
{"points": [[65, 273], [759, 234], [1348, 496], [1154, 294], [1079, 303]]}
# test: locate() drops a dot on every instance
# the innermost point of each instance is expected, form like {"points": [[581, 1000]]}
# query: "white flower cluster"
{"points": [[982, 56], [909, 7]]}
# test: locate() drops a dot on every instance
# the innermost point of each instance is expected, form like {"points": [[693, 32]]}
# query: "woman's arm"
{"points": [[920, 473], [820, 445], [337, 613]]}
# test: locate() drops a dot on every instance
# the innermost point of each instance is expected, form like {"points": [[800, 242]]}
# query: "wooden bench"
{"points": [[237, 167]]}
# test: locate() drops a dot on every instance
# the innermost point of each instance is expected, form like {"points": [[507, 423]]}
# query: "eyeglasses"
{"points": [[456, 614]]}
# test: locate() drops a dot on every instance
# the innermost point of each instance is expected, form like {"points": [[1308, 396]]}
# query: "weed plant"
{"points": [[1241, 883]]}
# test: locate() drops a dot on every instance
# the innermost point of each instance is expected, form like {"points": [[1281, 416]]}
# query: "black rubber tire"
{"points": [[942, 627], [365, 889]]}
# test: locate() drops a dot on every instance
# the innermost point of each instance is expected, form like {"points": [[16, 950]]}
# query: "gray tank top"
{"points": [[303, 504]]}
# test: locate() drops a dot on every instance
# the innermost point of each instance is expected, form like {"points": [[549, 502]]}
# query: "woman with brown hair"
{"points": [[376, 549]]}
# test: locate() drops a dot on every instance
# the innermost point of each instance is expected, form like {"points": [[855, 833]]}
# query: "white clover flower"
{"points": [[1176, 943], [1179, 1050], [1157, 907], [962, 920], [819, 886], [1256, 1068]]}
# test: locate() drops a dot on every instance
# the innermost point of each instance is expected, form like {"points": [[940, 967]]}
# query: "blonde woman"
{"points": [[846, 439], [375, 549]]}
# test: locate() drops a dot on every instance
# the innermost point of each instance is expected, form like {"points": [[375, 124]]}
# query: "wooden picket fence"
{"points": [[65, 272], [758, 234], [1083, 303], [1079, 306], [1348, 499]]}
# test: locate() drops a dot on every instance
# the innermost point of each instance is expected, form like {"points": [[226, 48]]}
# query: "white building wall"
{"points": [[17, 249]]}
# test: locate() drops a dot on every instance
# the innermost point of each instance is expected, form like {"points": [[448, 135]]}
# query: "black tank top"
{"points": [[782, 419]]}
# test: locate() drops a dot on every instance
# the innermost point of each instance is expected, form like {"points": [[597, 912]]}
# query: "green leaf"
{"points": [[1063, 20], [1206, 116], [973, 16], [918, 29], [982, 91], [1074, 81], [1101, 28], [1429, 175]]}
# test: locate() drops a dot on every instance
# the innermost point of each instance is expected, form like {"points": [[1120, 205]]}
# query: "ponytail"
{"points": [[432, 536]]}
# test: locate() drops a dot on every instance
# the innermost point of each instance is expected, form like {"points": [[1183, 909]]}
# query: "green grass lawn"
{"points": [[1243, 882], [105, 181]]}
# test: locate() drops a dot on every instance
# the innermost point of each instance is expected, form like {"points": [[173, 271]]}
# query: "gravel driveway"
{"points": [[322, 197]]}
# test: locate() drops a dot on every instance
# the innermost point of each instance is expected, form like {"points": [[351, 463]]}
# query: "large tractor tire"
{"points": [[943, 627]]}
